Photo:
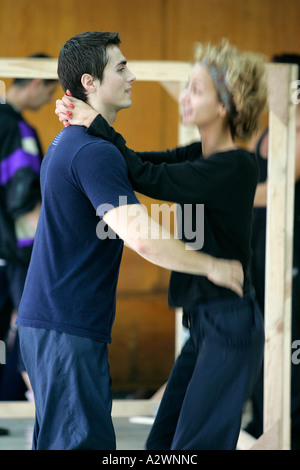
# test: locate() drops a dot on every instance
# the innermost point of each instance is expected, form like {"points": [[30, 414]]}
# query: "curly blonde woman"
{"points": [[219, 364]]}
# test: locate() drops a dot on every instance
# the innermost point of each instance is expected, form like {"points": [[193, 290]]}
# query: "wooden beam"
{"points": [[120, 409], [279, 244], [147, 70], [28, 68], [160, 71]]}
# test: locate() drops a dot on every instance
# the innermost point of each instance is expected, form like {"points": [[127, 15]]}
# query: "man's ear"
{"points": [[88, 83]]}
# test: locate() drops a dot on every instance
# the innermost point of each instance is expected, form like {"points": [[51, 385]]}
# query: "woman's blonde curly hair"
{"points": [[245, 80]]}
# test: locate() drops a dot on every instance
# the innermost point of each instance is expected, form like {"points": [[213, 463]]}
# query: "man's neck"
{"points": [[16, 99], [108, 113], [109, 116]]}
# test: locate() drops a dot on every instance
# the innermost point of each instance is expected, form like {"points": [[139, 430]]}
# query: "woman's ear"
{"points": [[88, 83], [222, 110]]}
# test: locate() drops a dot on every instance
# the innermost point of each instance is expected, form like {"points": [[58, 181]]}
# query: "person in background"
{"points": [[219, 364], [5, 315], [20, 160], [260, 146]]}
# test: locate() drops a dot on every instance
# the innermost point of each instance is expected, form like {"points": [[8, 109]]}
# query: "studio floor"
{"points": [[132, 422], [130, 435]]}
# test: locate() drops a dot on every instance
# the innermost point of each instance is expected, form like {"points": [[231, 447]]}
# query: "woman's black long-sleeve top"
{"points": [[224, 183]]}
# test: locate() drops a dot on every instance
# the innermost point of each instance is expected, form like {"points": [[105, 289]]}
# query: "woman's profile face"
{"points": [[200, 102]]}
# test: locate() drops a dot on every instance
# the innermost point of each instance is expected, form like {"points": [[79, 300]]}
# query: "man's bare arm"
{"points": [[168, 252]]}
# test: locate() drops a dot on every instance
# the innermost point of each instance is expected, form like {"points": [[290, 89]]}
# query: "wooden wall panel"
{"points": [[45, 25], [150, 30], [268, 26], [142, 351]]}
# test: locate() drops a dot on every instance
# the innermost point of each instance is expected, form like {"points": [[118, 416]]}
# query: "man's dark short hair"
{"points": [[84, 53], [22, 82]]}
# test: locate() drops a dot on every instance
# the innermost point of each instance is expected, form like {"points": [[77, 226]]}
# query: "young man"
{"points": [[20, 160], [68, 306]]}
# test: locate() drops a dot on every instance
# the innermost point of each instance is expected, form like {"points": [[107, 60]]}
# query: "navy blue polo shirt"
{"points": [[73, 273]]}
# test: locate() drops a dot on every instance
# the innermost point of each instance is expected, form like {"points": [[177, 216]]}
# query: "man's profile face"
{"points": [[114, 92]]}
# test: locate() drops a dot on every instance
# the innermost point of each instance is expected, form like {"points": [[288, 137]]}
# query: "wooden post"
{"points": [[186, 135], [279, 247]]}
